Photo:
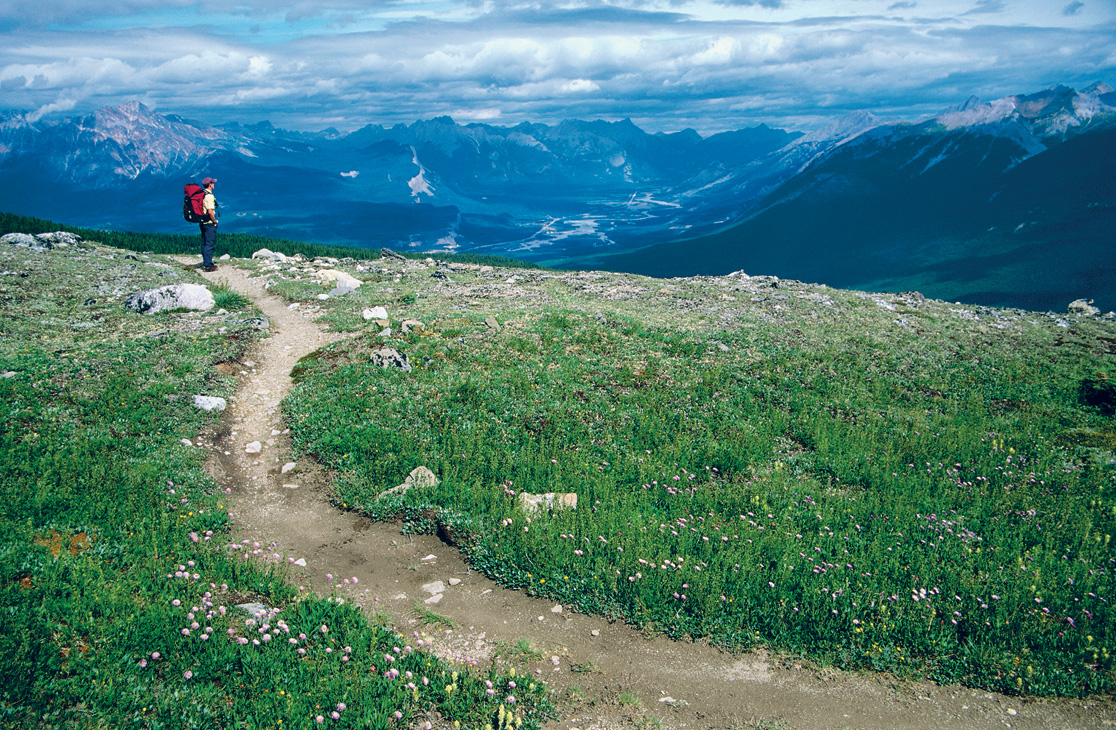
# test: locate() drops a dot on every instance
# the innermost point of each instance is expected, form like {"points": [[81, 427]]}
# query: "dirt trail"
{"points": [[612, 675]]}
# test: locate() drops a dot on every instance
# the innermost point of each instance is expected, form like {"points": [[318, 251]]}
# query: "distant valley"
{"points": [[1009, 202]]}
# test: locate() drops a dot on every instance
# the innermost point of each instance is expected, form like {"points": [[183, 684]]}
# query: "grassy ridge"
{"points": [[239, 245], [118, 585], [874, 482]]}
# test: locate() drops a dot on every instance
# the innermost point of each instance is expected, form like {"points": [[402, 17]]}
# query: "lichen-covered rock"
{"points": [[61, 238], [389, 357], [175, 296], [26, 241], [209, 403], [1081, 306], [419, 478], [270, 255]]}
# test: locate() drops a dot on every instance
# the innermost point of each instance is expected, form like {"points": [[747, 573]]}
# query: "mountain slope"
{"points": [[1015, 207], [1002, 202]]}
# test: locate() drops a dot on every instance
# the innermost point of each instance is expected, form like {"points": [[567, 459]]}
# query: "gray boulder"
{"points": [[26, 241], [60, 238], [209, 403], [1081, 306], [389, 357], [176, 296], [419, 478], [270, 255]]}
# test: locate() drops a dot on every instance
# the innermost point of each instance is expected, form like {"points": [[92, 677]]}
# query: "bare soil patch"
{"points": [[608, 675]]}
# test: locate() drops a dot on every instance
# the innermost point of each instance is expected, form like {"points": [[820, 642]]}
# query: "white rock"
{"points": [[1013, 712], [323, 297], [253, 448], [594, 632], [1083, 306], [557, 608], [399, 597], [290, 486], [287, 467], [187, 442], [337, 278], [209, 403], [225, 257], [275, 256], [174, 296], [433, 599], [455, 581], [435, 587], [431, 556], [301, 562], [375, 313], [293, 306]]}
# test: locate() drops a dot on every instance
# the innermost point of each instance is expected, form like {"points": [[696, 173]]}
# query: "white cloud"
{"points": [[62, 105], [580, 86], [259, 65], [667, 62]]}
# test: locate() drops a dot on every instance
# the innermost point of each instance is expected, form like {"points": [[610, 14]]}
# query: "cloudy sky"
{"points": [[706, 64]]}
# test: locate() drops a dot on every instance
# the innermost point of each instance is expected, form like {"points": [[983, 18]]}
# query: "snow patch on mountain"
{"points": [[447, 244], [419, 184]]}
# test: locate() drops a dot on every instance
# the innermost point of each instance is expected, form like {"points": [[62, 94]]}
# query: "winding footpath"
{"points": [[612, 675]]}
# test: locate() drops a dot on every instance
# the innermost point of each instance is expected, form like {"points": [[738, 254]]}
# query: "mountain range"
{"points": [[1008, 202]]}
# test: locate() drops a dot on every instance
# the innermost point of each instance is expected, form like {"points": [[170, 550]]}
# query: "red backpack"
{"points": [[193, 205]]}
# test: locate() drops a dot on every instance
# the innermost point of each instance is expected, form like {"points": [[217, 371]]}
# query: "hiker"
{"points": [[209, 227]]}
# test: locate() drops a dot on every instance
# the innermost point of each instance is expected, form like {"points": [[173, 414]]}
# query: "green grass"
{"points": [[427, 615], [225, 298], [118, 585], [630, 699], [786, 467], [523, 649]]}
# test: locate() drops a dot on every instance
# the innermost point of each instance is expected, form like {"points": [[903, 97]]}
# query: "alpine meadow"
{"points": [[876, 482]]}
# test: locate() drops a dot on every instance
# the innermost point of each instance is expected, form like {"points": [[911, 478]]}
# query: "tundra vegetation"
{"points": [[874, 481], [118, 583]]}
